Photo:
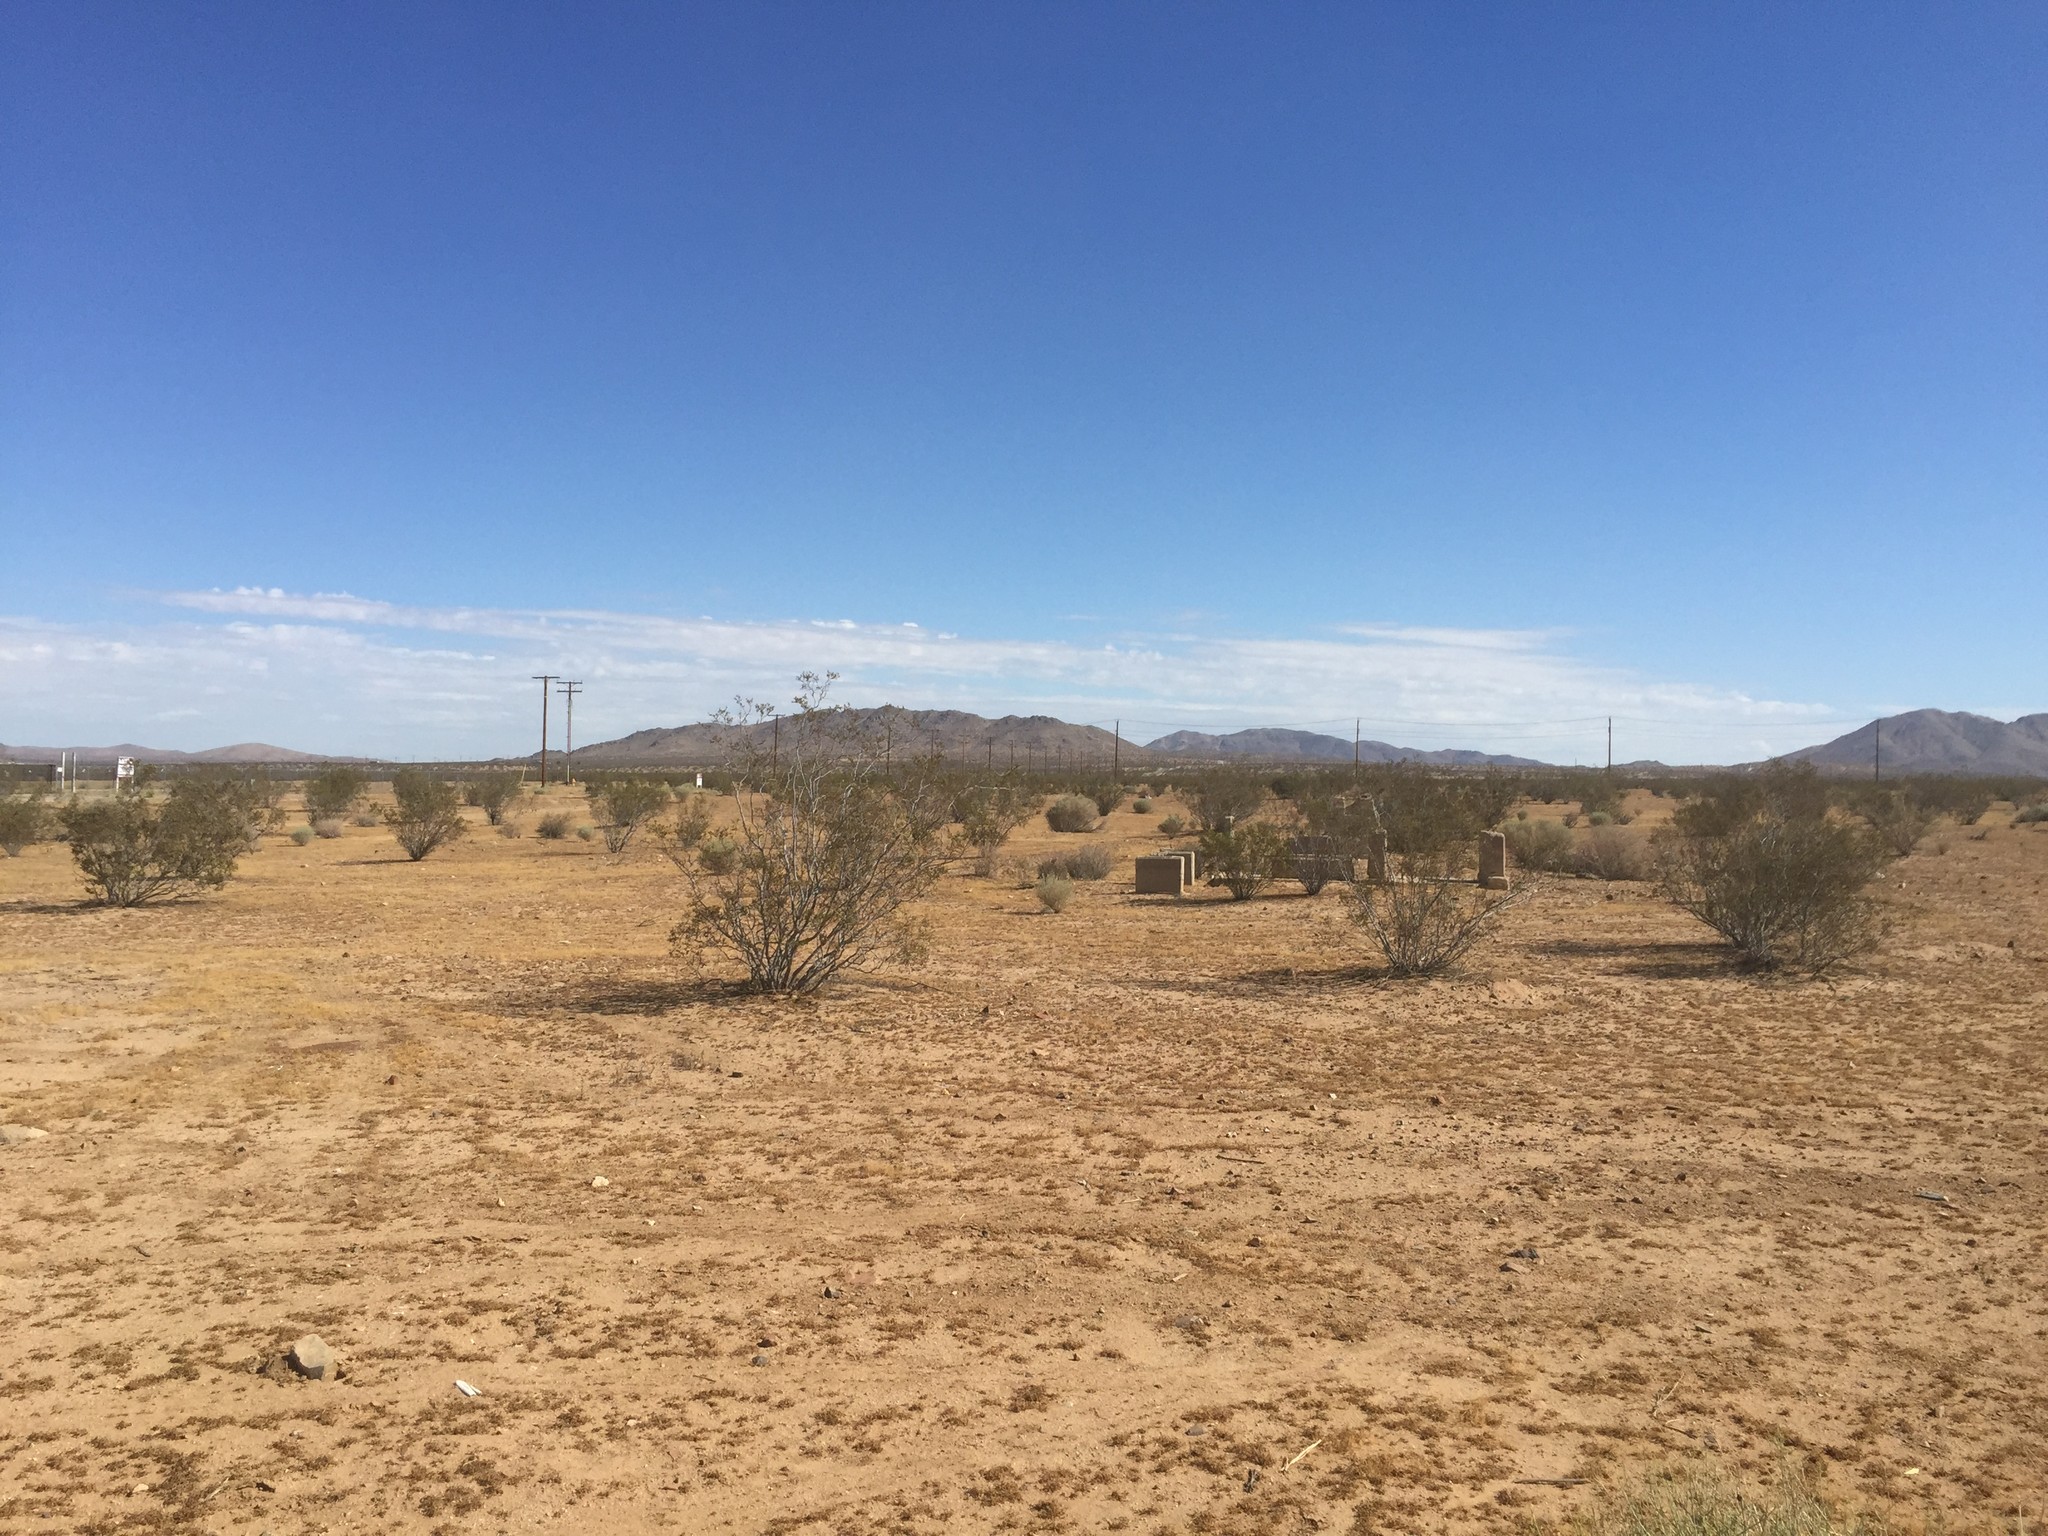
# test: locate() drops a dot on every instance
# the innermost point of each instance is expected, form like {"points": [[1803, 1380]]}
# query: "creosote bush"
{"points": [[1759, 859], [326, 826], [554, 826], [834, 837], [1613, 853], [692, 821], [1222, 796], [988, 814], [1055, 892], [1897, 820], [1245, 858], [1173, 826], [493, 793], [23, 820], [1072, 813], [718, 856], [302, 835], [624, 806], [132, 849], [1428, 917], [426, 812], [1107, 796], [1539, 845], [334, 791], [1091, 863]]}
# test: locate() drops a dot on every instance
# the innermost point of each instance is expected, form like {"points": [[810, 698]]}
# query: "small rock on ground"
{"points": [[311, 1358]]}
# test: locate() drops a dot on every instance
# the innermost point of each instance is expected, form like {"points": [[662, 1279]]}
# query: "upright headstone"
{"points": [[1161, 874], [1376, 858], [1493, 860]]}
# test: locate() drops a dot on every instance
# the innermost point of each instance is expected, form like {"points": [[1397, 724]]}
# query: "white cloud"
{"points": [[336, 672]]}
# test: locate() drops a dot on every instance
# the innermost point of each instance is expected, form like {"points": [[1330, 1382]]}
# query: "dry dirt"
{"points": [[1149, 1217]]}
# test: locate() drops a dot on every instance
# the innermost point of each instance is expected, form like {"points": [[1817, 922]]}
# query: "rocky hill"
{"points": [[1938, 741], [1269, 745], [1037, 741]]}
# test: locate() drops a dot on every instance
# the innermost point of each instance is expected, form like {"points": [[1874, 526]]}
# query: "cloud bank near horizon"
{"points": [[333, 672]]}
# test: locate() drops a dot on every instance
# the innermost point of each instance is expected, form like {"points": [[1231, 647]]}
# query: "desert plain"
{"points": [[1151, 1216]]}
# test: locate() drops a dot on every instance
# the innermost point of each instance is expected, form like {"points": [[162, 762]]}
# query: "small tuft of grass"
{"points": [[1705, 1504]]}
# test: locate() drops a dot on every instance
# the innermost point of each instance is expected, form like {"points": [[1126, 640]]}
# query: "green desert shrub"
{"points": [[1172, 826], [988, 814], [554, 826], [493, 793], [426, 812], [2027, 814], [133, 850], [334, 791], [302, 835], [624, 806], [1055, 892], [1896, 819], [718, 855], [1091, 863], [23, 820], [1223, 797], [1245, 858], [1759, 859], [1614, 853], [1107, 796], [326, 826], [1539, 845], [1428, 918], [1142, 805], [1072, 813], [835, 840]]}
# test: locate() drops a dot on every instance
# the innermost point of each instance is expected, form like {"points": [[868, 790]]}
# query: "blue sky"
{"points": [[1480, 370]]}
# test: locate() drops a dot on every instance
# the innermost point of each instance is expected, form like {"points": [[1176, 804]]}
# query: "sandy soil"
{"points": [[1152, 1216]]}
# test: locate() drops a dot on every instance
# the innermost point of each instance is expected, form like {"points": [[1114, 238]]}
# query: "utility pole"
{"points": [[568, 691], [1876, 750], [775, 747], [1116, 754], [1610, 743], [1356, 725], [544, 678]]}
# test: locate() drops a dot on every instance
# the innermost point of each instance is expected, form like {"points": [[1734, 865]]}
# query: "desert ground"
{"points": [[1152, 1216]]}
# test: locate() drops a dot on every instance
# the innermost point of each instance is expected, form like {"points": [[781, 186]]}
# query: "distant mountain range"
{"points": [[1937, 741], [1035, 741], [1027, 740], [1275, 745], [241, 752], [1922, 741]]}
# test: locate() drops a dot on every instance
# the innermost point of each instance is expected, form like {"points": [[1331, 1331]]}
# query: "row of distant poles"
{"points": [[568, 689]]}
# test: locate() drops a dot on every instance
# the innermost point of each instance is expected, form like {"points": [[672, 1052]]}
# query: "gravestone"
{"points": [[1376, 858], [1493, 860], [1162, 874]]}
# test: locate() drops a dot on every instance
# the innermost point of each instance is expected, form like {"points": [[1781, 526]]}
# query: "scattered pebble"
{"points": [[600, 1182]]}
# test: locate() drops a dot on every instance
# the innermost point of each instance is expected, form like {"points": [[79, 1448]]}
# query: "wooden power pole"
{"points": [[544, 678], [568, 691]]}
